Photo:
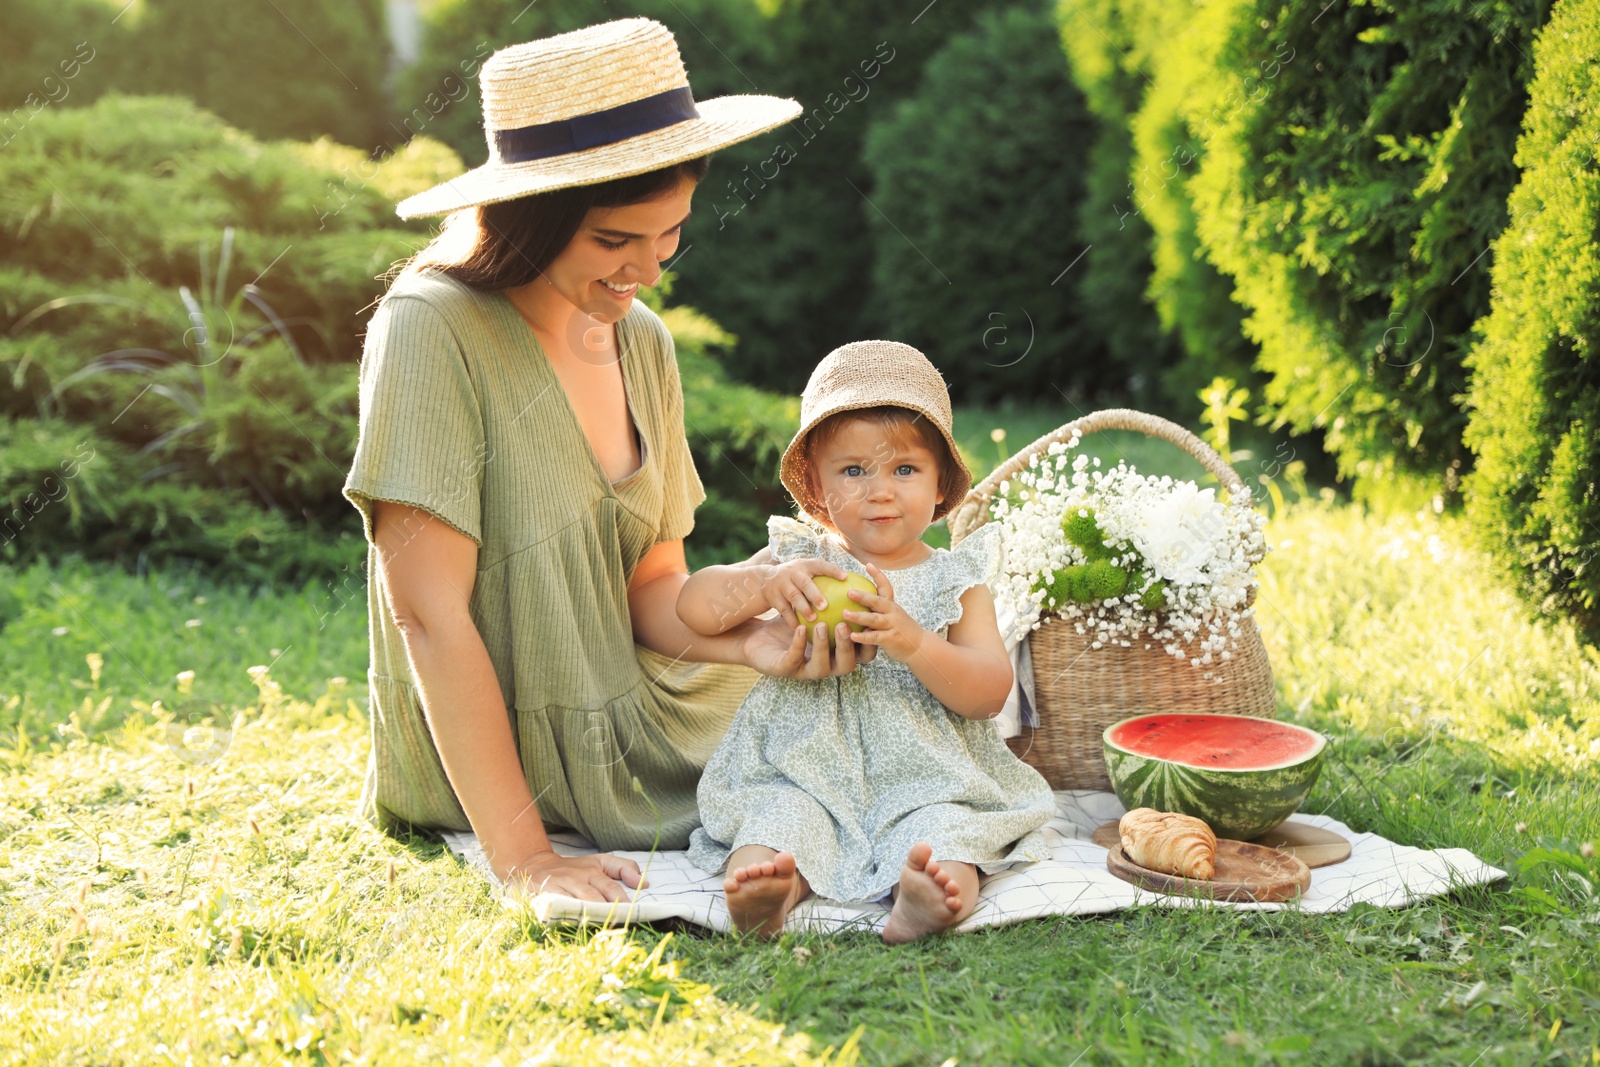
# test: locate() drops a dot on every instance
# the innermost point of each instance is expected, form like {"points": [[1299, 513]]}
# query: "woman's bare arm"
{"points": [[429, 569]]}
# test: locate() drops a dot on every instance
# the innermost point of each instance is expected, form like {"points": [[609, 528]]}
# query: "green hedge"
{"points": [[1192, 299], [185, 301], [1115, 271], [194, 294], [285, 69], [55, 53], [221, 412], [981, 165], [1535, 395], [1350, 196]]}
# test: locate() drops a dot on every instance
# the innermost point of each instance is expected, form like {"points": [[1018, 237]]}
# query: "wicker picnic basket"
{"points": [[1081, 690]]}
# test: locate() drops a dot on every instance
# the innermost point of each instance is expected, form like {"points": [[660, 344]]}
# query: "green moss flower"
{"points": [[1080, 527], [1152, 594], [1103, 580]]}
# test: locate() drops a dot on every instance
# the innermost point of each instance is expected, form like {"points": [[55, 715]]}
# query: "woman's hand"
{"points": [[789, 590], [773, 648], [888, 625], [601, 877]]}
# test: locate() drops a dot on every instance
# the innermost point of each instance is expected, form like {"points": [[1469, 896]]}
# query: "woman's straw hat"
{"points": [[866, 374], [606, 101]]}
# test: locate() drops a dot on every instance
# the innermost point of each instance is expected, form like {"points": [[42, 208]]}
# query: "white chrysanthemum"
{"points": [[1154, 528]]}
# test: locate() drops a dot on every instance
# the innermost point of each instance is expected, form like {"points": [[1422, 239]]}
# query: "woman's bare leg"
{"points": [[763, 886]]}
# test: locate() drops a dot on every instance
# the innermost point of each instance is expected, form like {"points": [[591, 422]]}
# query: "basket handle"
{"points": [[973, 511]]}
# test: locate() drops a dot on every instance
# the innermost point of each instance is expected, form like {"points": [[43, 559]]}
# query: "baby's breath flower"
{"points": [[1202, 550]]}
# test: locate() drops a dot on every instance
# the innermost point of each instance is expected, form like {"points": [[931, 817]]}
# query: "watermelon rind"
{"points": [[1237, 803]]}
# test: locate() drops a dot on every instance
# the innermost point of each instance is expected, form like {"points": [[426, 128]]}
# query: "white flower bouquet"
{"points": [[1127, 558]]}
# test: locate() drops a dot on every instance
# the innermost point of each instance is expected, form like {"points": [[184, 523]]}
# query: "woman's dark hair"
{"points": [[499, 246]]}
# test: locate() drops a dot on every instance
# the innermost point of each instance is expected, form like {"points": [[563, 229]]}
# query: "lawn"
{"points": [[182, 880]]}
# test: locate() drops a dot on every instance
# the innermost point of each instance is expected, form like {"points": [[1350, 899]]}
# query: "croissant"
{"points": [[1170, 842]]}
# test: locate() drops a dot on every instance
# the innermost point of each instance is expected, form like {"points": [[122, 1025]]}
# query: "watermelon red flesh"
{"points": [[1164, 761], [1238, 741]]}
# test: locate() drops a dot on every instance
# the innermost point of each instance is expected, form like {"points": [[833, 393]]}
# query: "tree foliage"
{"points": [[181, 311], [286, 69], [1535, 394], [55, 53], [1351, 196], [975, 182]]}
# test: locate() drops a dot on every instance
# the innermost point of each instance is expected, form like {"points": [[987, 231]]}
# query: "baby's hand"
{"points": [[790, 590], [888, 625]]}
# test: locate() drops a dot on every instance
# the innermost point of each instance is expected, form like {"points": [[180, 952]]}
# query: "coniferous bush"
{"points": [[1192, 299], [188, 300], [1351, 197], [1115, 269], [186, 306], [981, 172], [285, 69], [1535, 394]]}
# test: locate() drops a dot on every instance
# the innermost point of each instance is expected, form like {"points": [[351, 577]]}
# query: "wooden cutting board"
{"points": [[1243, 872], [1312, 845]]}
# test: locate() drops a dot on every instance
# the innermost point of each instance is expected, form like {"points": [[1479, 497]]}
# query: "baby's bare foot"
{"points": [[929, 899], [760, 895]]}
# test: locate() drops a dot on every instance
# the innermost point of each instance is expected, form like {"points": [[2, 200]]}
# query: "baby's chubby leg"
{"points": [[763, 886], [931, 896]]}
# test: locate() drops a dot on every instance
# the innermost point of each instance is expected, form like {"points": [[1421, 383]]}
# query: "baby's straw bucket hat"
{"points": [[603, 102], [866, 374]]}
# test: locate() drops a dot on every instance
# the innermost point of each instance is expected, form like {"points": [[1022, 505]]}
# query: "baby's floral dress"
{"points": [[848, 773]]}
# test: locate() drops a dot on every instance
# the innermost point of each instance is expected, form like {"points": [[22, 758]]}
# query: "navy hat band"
{"points": [[597, 128]]}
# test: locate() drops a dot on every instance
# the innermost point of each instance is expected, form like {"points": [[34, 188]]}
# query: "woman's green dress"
{"points": [[462, 415]]}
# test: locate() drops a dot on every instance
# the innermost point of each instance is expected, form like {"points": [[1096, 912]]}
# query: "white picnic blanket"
{"points": [[1075, 881]]}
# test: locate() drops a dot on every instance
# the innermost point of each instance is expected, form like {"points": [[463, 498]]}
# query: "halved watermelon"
{"points": [[1241, 774]]}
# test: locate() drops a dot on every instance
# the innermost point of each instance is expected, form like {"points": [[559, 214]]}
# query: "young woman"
{"points": [[525, 481]]}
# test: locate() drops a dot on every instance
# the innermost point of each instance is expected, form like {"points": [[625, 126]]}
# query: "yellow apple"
{"points": [[837, 595]]}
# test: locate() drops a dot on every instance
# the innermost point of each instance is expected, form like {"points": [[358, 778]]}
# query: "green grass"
{"points": [[1457, 722], [171, 893], [149, 629]]}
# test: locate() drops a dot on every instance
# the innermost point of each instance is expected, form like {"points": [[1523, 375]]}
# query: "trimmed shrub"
{"points": [[222, 412], [1192, 300], [1535, 395], [55, 53], [286, 69], [1351, 198], [64, 488], [143, 188], [979, 173], [189, 300]]}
